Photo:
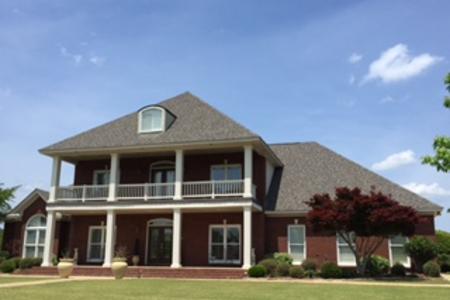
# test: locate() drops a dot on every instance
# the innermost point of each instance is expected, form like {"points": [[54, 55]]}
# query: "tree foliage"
{"points": [[6, 195], [362, 220], [441, 158]]}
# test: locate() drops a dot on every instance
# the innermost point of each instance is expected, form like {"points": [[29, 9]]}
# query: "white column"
{"points": [[49, 239], [113, 177], [248, 170], [110, 237], [56, 174], [179, 170], [176, 239], [247, 237]]}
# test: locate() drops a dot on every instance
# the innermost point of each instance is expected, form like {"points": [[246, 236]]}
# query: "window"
{"points": [[35, 237], [225, 244], [397, 251], [96, 244], [297, 242], [101, 177], [151, 119], [345, 255], [226, 172]]}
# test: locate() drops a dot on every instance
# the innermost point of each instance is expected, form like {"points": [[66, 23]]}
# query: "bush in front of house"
{"points": [[283, 269], [421, 250], [349, 273], [432, 269], [398, 270], [330, 270], [377, 266], [36, 262], [8, 266], [281, 257], [296, 272], [257, 271], [309, 265], [26, 263], [4, 254], [271, 266], [444, 261]]}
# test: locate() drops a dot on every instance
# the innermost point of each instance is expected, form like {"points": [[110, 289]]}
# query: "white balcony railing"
{"points": [[149, 191]]}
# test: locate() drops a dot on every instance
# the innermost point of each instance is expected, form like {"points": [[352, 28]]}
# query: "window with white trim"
{"points": [[345, 255], [34, 238], [397, 251], [224, 244], [151, 119], [226, 172], [101, 177], [297, 242], [96, 243]]}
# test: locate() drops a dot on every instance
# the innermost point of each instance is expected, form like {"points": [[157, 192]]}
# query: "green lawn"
{"points": [[172, 289], [13, 279]]}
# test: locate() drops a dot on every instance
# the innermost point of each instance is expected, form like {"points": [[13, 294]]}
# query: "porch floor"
{"points": [[147, 272]]}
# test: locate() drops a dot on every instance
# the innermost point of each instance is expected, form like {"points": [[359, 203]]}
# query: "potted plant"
{"points": [[119, 264], [135, 257], [65, 265]]}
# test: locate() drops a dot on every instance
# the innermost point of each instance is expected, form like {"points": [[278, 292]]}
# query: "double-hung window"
{"points": [[397, 251], [96, 244], [345, 255], [225, 244], [297, 242]]}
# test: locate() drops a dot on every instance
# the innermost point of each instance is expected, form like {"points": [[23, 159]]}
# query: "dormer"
{"points": [[153, 119]]}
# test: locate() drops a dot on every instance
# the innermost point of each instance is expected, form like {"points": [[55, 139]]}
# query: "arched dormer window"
{"points": [[34, 236], [152, 119]]}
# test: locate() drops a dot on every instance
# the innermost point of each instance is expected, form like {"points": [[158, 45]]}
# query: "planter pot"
{"points": [[65, 267], [135, 260], [119, 267]]}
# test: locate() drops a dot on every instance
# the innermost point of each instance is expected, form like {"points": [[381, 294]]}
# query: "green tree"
{"points": [[6, 195], [441, 145]]}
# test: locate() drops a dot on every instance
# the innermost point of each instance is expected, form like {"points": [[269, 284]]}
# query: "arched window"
{"points": [[151, 119], [34, 236]]}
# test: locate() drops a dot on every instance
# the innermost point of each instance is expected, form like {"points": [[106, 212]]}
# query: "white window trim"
{"points": [[296, 262], [102, 243], [339, 263], [95, 178], [160, 165], [36, 244], [408, 262], [163, 120], [225, 166], [224, 261]]}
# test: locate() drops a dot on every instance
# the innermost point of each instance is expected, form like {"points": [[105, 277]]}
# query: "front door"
{"points": [[160, 245], [164, 177]]}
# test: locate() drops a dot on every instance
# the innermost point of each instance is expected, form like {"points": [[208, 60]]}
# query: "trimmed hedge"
{"points": [[283, 258], [377, 266], [271, 266], [4, 254], [398, 270], [283, 269], [330, 270], [432, 269], [309, 265], [296, 272], [257, 271], [8, 266]]}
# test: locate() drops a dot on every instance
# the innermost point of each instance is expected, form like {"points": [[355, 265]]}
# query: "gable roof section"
{"points": [[17, 211], [310, 168], [196, 121]]}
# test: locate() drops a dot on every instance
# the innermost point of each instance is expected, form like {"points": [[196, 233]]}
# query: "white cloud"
{"points": [[351, 79], [395, 160], [432, 189], [97, 60], [76, 58], [355, 58], [397, 64]]}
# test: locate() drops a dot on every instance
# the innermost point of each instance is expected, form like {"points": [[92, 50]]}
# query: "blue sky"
{"points": [[364, 78]]}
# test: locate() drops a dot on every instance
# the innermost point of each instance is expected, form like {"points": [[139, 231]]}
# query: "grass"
{"points": [[176, 289], [13, 279]]}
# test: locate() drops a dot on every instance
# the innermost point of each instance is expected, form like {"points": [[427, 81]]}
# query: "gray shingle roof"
{"points": [[196, 121], [310, 168]]}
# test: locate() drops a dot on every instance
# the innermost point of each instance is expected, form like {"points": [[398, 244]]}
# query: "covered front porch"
{"points": [[187, 235]]}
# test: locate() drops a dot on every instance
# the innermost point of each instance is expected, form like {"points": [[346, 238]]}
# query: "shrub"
{"points": [[296, 272], [8, 266], [36, 262], [443, 242], [349, 273], [310, 273], [257, 271], [398, 270], [283, 269], [330, 270], [283, 258], [377, 266], [432, 269], [4, 254], [444, 261], [421, 250], [271, 266], [16, 261], [309, 265], [26, 263]]}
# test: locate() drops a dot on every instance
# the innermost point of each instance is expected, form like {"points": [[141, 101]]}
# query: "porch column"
{"points": [[179, 166], [49, 239], [176, 239], [54, 183], [110, 237], [247, 237], [113, 177], [248, 170]]}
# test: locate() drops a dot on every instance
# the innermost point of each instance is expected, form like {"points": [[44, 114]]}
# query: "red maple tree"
{"points": [[362, 220]]}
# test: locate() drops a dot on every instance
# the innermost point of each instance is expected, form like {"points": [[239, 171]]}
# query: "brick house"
{"points": [[180, 184]]}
